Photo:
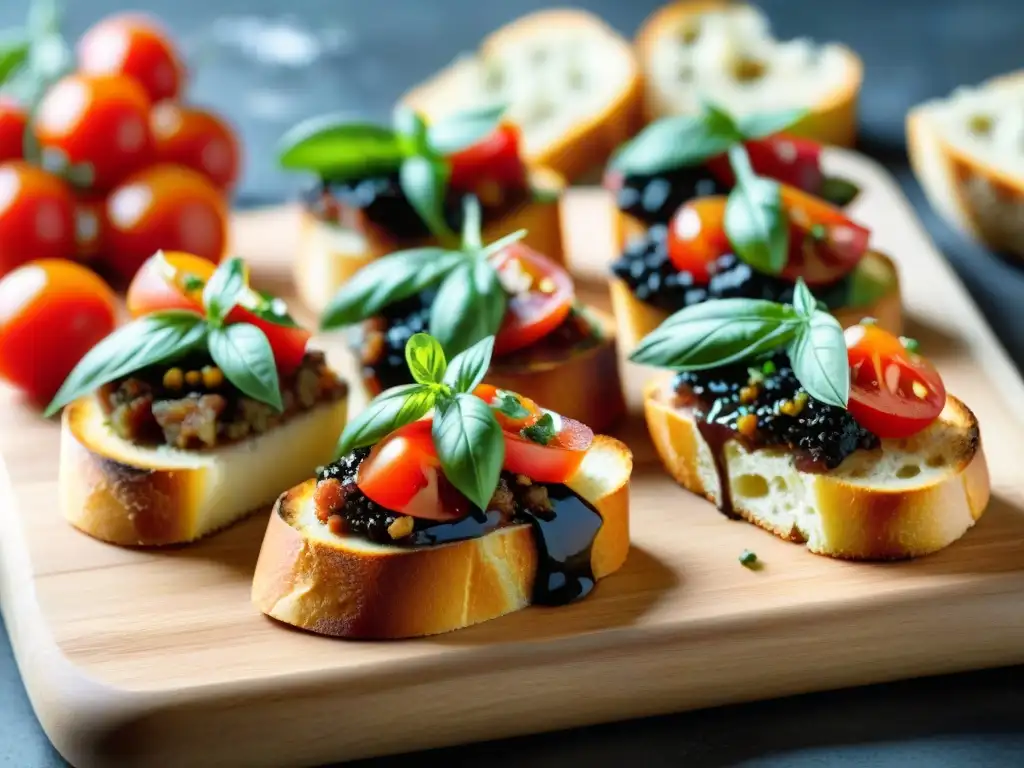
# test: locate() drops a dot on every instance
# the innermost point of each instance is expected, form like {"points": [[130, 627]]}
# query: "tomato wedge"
{"points": [[541, 296], [696, 237], [824, 244], [788, 159], [494, 160], [894, 392]]}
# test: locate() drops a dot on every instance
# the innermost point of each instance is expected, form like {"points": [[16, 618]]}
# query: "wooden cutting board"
{"points": [[147, 658]]}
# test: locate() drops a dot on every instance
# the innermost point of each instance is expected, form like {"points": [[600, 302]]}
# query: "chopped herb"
{"points": [[755, 376], [542, 431], [818, 232], [510, 405], [192, 283], [748, 559], [911, 345], [768, 368]]}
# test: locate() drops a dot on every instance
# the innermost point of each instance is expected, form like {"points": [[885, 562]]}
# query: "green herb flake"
{"points": [[911, 345], [541, 431], [748, 559], [192, 283], [510, 405], [768, 368]]}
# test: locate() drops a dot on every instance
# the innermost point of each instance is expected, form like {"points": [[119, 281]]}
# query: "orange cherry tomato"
{"points": [[541, 297], [52, 312], [696, 237], [13, 122], [137, 46], [164, 207], [98, 120], [197, 139], [37, 218], [493, 160], [824, 244], [893, 392]]}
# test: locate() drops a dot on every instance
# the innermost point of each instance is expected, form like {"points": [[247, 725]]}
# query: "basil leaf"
{"points": [[803, 300], [424, 181], [270, 308], [839, 192], [541, 431], [472, 239], [224, 289], [464, 129], [509, 404], [412, 129], [244, 356], [820, 361], [387, 280], [675, 142], [867, 285], [503, 242], [468, 368], [717, 333], [425, 359], [757, 126], [147, 341], [720, 122], [469, 306], [471, 447], [14, 52], [338, 147], [391, 409], [756, 224]]}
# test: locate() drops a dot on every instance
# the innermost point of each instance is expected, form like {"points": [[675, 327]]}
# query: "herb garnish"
{"points": [[470, 302], [541, 431], [510, 405], [239, 349], [748, 559], [755, 223], [466, 434], [725, 331]]}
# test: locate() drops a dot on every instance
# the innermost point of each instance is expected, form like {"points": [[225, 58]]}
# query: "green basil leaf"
{"points": [[337, 147], [541, 431], [424, 182], [756, 224], [472, 239], [412, 130], [147, 341], [803, 300], [391, 409], [463, 129], [820, 361], [425, 359], [509, 404], [224, 289], [757, 126], [469, 306], [720, 122], [867, 285], [503, 242], [14, 52], [243, 354], [273, 309], [716, 333], [839, 192], [471, 447], [675, 142], [468, 368], [545, 195]]}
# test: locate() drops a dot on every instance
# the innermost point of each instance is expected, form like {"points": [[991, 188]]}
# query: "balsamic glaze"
{"points": [[716, 436]]}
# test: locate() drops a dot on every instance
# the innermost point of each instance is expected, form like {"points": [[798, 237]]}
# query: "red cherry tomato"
{"points": [[696, 237], [541, 297], [197, 139], [136, 46], [164, 207], [788, 159], [494, 161], [824, 244], [893, 392], [36, 216], [98, 120], [13, 122], [52, 312]]}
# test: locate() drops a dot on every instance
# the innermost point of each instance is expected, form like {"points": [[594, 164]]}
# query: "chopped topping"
{"points": [[523, 480], [748, 394], [193, 378], [541, 431], [401, 527], [213, 377], [746, 425], [174, 378], [748, 558]]}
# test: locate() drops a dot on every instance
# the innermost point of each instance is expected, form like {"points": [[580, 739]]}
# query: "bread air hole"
{"points": [[936, 460], [748, 70], [751, 486], [685, 73], [980, 125], [494, 78], [689, 33], [908, 471]]}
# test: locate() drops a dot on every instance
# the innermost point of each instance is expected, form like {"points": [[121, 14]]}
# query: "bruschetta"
{"points": [[451, 503], [197, 412]]}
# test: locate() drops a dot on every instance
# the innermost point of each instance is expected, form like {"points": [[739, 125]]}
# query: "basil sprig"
{"points": [[470, 302], [726, 331], [755, 223], [466, 434], [241, 350]]}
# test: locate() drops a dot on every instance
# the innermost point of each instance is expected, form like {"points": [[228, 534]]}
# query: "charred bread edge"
{"points": [[321, 585]]}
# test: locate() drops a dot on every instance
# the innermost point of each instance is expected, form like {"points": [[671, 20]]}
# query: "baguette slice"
{"points": [[330, 254], [965, 152], [725, 51], [910, 498], [569, 80], [348, 587], [125, 494]]}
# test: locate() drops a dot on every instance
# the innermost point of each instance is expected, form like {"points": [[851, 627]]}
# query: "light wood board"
{"points": [[157, 657]]}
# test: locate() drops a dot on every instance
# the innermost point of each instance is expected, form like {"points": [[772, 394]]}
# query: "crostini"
{"points": [[451, 503], [712, 48], [381, 188], [549, 347], [846, 441], [964, 151], [194, 414], [570, 81]]}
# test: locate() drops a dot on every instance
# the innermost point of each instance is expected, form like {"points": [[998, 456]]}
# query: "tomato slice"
{"points": [[511, 418], [893, 392], [494, 161], [696, 237], [788, 159], [824, 244], [541, 296]]}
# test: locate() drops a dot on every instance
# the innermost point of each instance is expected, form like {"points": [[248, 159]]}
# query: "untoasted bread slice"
{"points": [[725, 52], [347, 587], [912, 497], [569, 80], [130, 495], [965, 152]]}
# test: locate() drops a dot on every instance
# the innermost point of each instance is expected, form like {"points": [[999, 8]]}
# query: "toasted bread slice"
{"points": [[569, 80], [131, 495], [348, 587], [912, 497], [329, 254], [965, 152], [725, 52]]}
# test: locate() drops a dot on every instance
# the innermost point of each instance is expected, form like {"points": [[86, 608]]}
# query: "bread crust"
{"points": [[589, 143], [326, 585], [859, 522], [831, 121]]}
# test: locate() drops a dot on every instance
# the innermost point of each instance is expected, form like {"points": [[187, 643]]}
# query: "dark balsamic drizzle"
{"points": [[716, 436]]}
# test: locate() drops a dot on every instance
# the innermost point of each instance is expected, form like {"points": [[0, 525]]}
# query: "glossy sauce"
{"points": [[716, 436]]}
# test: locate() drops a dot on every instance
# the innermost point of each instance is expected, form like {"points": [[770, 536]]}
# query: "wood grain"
{"points": [[157, 657]]}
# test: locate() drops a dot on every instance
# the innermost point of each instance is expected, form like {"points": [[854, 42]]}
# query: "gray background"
{"points": [[361, 54]]}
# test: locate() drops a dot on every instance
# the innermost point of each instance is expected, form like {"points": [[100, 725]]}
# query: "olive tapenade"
{"points": [[654, 198]]}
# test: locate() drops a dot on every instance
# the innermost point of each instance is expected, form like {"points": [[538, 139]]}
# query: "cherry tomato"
{"points": [[52, 312], [541, 297], [197, 139], [98, 120], [893, 391], [136, 46], [13, 122], [788, 159], [37, 218], [696, 237], [824, 244], [164, 207], [493, 162]]}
